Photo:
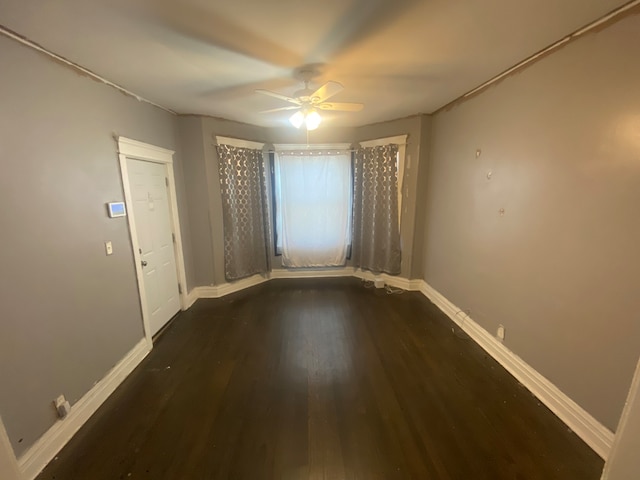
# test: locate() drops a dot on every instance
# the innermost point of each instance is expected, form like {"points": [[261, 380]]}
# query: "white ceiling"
{"points": [[398, 57]]}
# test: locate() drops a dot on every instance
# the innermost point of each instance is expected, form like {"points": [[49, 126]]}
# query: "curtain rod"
{"points": [[313, 149], [330, 149]]}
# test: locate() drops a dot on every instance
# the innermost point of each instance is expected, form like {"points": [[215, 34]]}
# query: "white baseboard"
{"points": [[192, 296], [310, 273], [592, 432], [217, 291], [33, 461], [391, 280], [227, 288], [618, 461]]}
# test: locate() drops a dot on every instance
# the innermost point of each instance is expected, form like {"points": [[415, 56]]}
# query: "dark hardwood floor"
{"points": [[321, 379]]}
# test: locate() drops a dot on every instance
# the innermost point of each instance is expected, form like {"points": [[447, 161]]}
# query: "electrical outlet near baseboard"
{"points": [[63, 407], [500, 333]]}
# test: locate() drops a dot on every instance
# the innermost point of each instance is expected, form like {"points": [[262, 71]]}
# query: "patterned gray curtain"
{"points": [[244, 211], [376, 232]]}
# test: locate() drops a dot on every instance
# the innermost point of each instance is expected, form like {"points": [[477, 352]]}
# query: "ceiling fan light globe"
{"points": [[297, 119], [312, 120]]}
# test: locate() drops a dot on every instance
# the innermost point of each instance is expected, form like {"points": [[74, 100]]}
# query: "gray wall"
{"points": [[419, 234], [197, 198], [323, 135], [559, 269], [70, 313], [198, 140], [9, 469]]}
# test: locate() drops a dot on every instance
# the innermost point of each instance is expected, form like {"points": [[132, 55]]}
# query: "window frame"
{"points": [[303, 148]]}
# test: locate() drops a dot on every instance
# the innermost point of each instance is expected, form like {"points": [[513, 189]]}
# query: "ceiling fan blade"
{"points": [[279, 109], [344, 107], [193, 22], [326, 91], [364, 18], [278, 95]]}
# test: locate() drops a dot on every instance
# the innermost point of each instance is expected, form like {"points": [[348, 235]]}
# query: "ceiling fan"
{"points": [[308, 102]]}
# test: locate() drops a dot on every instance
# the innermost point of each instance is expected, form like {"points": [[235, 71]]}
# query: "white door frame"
{"points": [[133, 149]]}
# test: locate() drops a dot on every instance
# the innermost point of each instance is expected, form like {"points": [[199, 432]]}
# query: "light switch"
{"points": [[108, 247]]}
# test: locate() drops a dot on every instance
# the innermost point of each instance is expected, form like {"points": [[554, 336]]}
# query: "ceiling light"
{"points": [[297, 119], [312, 119], [309, 118]]}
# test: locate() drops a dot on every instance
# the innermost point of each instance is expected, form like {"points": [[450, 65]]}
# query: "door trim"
{"points": [[133, 149]]}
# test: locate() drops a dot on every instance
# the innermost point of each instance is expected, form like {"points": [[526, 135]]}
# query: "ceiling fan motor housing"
{"points": [[304, 95], [309, 101]]}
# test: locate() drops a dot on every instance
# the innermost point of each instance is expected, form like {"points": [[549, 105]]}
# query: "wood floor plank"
{"points": [[321, 379]]}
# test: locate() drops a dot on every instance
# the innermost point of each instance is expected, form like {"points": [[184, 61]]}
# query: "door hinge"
{"points": [[166, 181], [173, 237], [179, 289]]}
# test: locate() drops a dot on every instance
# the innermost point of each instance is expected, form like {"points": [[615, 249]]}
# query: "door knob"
{"points": [[144, 263]]}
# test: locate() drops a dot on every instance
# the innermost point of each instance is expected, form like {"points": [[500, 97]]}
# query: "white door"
{"points": [[148, 186]]}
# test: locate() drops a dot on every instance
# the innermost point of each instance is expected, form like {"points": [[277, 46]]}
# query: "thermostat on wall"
{"points": [[117, 209]]}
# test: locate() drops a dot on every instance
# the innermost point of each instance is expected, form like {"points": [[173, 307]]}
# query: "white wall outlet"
{"points": [[378, 282], [63, 407], [108, 248], [500, 333]]}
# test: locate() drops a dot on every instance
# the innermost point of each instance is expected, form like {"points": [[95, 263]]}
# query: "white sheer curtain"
{"points": [[313, 207]]}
